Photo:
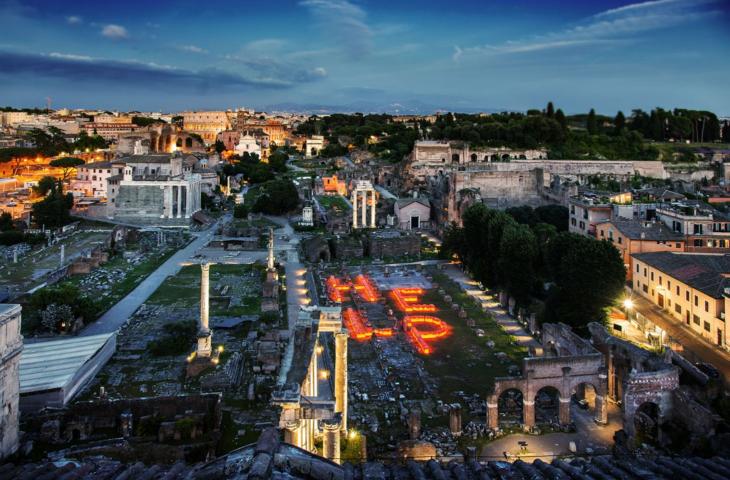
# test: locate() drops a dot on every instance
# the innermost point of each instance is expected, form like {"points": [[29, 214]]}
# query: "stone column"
{"points": [[601, 410], [372, 211], [63, 254], [204, 334], [293, 433], [341, 376], [354, 209], [528, 414], [331, 439], [166, 207], [179, 201], [492, 414], [564, 411], [364, 210], [611, 376], [455, 419]]}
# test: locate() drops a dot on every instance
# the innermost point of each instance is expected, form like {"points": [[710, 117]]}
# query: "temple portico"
{"points": [[363, 195]]}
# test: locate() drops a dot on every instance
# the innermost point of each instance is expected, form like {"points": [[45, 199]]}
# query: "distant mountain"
{"points": [[412, 107]]}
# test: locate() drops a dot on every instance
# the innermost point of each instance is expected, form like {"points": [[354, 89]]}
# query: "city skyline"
{"points": [[366, 55]]}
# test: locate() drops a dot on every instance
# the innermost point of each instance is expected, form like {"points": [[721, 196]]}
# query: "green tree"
{"points": [[524, 215], [619, 122], [589, 276], [560, 118], [6, 222], [67, 164], [220, 147], [550, 110], [592, 122], [277, 197], [45, 185], [555, 215], [518, 254], [277, 161], [54, 211]]}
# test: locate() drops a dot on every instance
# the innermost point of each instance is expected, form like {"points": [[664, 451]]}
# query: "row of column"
{"points": [[364, 208], [528, 412], [302, 431], [177, 196]]}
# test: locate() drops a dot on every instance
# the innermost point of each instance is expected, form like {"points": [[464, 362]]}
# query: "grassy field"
{"points": [[183, 290], [332, 202], [463, 361]]}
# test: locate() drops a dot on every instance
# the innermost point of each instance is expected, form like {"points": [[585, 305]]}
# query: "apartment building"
{"points": [[694, 289], [638, 236], [704, 228]]}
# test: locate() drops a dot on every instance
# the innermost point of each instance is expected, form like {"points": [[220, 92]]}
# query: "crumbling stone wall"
{"points": [[393, 243]]}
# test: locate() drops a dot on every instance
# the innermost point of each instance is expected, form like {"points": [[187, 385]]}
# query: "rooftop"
{"points": [[643, 230], [149, 158], [52, 364], [704, 272]]}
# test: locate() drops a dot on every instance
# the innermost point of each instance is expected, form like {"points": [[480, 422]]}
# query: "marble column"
{"points": [[293, 433], [364, 210], [179, 201], [354, 209], [341, 376], [331, 440], [372, 211], [205, 346]]}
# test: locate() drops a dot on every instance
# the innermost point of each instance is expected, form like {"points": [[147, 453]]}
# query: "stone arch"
{"points": [[189, 142], [510, 406], [179, 142], [443, 160], [168, 143], [505, 157], [646, 423], [473, 157], [486, 158], [584, 396], [454, 158], [547, 405], [494, 158], [523, 157]]}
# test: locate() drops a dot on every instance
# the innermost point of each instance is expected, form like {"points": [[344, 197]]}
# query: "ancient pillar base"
{"points": [[197, 364], [528, 413], [331, 439], [601, 417]]}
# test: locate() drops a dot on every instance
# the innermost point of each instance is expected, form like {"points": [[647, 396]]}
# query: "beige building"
{"points": [[11, 346], [207, 124], [693, 288]]}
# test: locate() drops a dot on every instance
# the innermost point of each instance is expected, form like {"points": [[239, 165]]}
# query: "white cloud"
{"points": [[71, 56], [74, 20], [193, 49], [614, 26], [345, 22], [114, 31]]}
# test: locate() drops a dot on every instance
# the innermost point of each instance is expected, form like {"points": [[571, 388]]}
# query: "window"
{"points": [[697, 242], [652, 276], [582, 225], [698, 229], [707, 326], [678, 308], [669, 285], [619, 240], [686, 295], [697, 301], [645, 271], [660, 279], [696, 319], [645, 288], [678, 245], [677, 289], [707, 306], [637, 268]]}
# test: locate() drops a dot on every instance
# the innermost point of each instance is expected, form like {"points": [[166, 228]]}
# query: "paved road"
{"points": [[120, 313], [699, 349], [588, 435]]}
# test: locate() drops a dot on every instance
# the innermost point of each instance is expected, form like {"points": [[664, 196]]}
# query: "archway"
{"points": [[189, 142], [505, 157], [486, 158], [510, 407], [646, 423], [494, 158], [179, 143], [455, 158], [313, 152], [75, 435], [473, 157], [584, 397], [523, 157], [547, 406]]}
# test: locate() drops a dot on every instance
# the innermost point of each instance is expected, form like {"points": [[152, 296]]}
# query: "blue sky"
{"points": [[366, 54]]}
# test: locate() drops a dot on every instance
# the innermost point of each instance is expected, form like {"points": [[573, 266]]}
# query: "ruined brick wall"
{"points": [[649, 387]]}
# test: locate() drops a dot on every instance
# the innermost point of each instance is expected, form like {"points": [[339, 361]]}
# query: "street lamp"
{"points": [[628, 304]]}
